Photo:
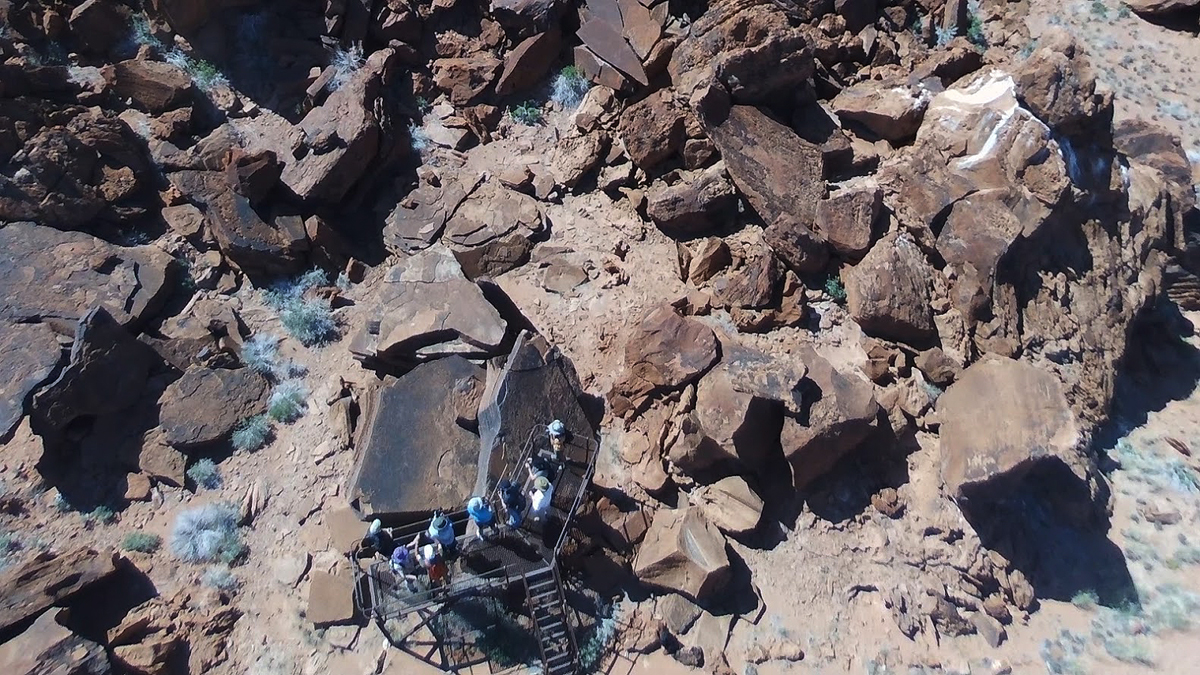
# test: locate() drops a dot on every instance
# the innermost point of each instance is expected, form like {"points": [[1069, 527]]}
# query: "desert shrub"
{"points": [[142, 542], [10, 544], [308, 320], [528, 113], [287, 401], [252, 433], [1062, 653], [1172, 608], [835, 289], [418, 138], [975, 31], [1099, 10], [597, 640], [346, 63], [1123, 12], [101, 514], [204, 473], [208, 534], [220, 578], [204, 74], [259, 353], [944, 35], [62, 504], [1085, 599], [569, 87], [140, 34]]}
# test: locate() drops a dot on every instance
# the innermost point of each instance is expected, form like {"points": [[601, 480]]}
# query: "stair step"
{"points": [[548, 594]]}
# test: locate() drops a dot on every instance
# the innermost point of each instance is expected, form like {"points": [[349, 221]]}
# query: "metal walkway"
{"points": [[526, 556]]}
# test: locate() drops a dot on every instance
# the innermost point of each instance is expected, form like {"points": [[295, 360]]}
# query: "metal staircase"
{"points": [[548, 608]]}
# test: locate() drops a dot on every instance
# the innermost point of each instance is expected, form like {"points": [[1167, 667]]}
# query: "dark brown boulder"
{"points": [[465, 79], [29, 353], [840, 412], [527, 63], [751, 286], [847, 217], [420, 216], [1058, 84], [100, 25], [153, 86], [522, 18], [749, 47], [802, 248], [779, 172], [413, 454], [685, 554], [342, 136], [48, 579], [890, 112], [652, 129], [205, 405], [665, 352], [106, 373], [889, 294], [53, 276], [702, 201]]}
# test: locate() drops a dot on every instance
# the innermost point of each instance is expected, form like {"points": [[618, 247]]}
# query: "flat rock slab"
{"points": [[48, 648], [205, 405], [779, 172], [427, 308], [536, 386], [56, 277], [331, 598], [1000, 419], [29, 353], [415, 454], [419, 218], [49, 579], [606, 40]]}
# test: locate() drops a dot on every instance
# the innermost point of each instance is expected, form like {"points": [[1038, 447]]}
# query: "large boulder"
{"points": [[537, 385], [730, 504], [888, 293], [840, 413], [890, 112], [684, 553], [48, 648], [1000, 420], [57, 277], [342, 136], [779, 172], [426, 308], [420, 216], [248, 242], [205, 405], [465, 79], [106, 373], [528, 62], [1059, 86], [49, 579], [1052, 248], [486, 224], [153, 86], [750, 47], [740, 406], [522, 18], [847, 218], [666, 351], [29, 353], [653, 129], [416, 450], [70, 171], [702, 201]]}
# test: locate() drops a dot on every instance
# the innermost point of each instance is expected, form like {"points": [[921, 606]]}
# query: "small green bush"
{"points": [[1099, 10], [252, 433], [309, 321], [975, 32], [142, 542], [204, 74], [345, 62], [9, 544], [220, 578], [835, 289], [288, 402], [204, 473], [569, 87], [1123, 12], [101, 514], [528, 113], [1085, 599]]}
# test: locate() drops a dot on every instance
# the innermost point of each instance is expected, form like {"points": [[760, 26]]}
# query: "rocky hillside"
{"points": [[813, 270]]}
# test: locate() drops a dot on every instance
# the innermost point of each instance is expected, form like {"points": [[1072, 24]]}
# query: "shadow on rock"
{"points": [[1036, 526]]}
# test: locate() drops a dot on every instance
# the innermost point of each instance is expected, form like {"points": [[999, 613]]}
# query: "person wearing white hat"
{"points": [[434, 562], [379, 539]]}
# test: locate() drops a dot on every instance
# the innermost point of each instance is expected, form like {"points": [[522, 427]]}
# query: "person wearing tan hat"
{"points": [[539, 497]]}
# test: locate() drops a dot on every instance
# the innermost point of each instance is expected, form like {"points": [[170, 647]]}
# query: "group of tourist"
{"points": [[429, 552]]}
